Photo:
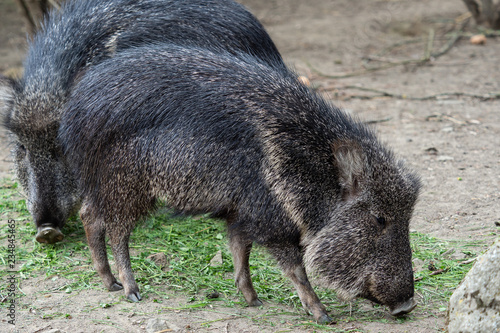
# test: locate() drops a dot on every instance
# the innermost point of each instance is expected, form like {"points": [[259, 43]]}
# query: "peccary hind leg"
{"points": [[96, 237], [240, 248], [119, 245], [290, 260]]}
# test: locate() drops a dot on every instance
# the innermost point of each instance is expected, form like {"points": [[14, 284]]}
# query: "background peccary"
{"points": [[84, 34], [229, 135]]}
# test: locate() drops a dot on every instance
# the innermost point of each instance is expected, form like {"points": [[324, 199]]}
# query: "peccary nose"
{"points": [[404, 307], [49, 235]]}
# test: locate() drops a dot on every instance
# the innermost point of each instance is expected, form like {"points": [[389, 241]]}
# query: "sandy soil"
{"points": [[452, 141]]}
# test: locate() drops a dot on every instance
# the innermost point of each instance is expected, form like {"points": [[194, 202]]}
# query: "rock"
{"points": [[478, 39], [431, 151], [159, 259], [217, 259], [445, 158], [213, 294], [157, 325], [475, 305], [304, 80], [450, 102]]}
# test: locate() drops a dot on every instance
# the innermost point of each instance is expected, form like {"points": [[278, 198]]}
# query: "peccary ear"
{"points": [[349, 160]]}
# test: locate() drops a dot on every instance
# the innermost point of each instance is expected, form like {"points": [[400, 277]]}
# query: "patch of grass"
{"points": [[189, 244], [440, 274], [12, 203]]}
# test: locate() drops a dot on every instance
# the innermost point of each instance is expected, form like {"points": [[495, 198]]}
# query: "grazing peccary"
{"points": [[231, 136], [84, 34]]}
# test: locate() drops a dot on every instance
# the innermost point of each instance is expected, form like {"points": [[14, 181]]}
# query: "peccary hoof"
{"points": [[324, 319], [116, 286], [404, 308], [49, 235], [256, 302], [134, 296]]}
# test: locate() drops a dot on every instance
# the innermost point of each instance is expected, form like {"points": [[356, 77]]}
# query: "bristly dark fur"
{"points": [[84, 34], [215, 132]]}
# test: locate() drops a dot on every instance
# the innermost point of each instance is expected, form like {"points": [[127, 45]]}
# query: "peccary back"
{"points": [[232, 136], [83, 34]]}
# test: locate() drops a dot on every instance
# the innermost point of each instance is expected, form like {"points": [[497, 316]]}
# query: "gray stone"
{"points": [[475, 305], [445, 158], [156, 325], [217, 259], [450, 102], [159, 259]]}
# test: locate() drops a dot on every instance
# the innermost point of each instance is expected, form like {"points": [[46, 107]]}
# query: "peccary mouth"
{"points": [[404, 308]]}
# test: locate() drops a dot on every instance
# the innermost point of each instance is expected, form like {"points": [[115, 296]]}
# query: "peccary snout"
{"points": [[50, 187], [404, 307]]}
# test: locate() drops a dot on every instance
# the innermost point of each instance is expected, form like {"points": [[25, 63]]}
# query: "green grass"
{"points": [[189, 244]]}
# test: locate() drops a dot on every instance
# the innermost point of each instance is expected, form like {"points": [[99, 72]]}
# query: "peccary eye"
{"points": [[381, 221], [20, 150]]}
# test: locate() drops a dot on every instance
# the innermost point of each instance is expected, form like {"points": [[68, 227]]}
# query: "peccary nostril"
{"points": [[404, 308]]}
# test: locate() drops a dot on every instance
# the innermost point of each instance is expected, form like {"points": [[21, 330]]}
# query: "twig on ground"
{"points": [[428, 56], [430, 43], [376, 121], [55, 4], [27, 14], [439, 271], [382, 93], [456, 35], [393, 46], [389, 64], [467, 261]]}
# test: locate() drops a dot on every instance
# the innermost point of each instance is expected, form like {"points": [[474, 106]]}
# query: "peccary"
{"points": [[214, 132], [84, 34]]}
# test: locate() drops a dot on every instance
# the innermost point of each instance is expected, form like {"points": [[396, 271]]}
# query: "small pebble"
{"points": [[304, 80], [478, 39]]}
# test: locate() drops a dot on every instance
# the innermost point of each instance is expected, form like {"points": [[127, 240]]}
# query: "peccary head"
{"points": [[40, 165], [364, 248]]}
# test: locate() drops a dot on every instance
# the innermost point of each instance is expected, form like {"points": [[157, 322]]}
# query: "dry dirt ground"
{"points": [[452, 141]]}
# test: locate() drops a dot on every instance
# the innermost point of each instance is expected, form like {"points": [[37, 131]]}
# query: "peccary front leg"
{"points": [[96, 237], [240, 248], [290, 260]]}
